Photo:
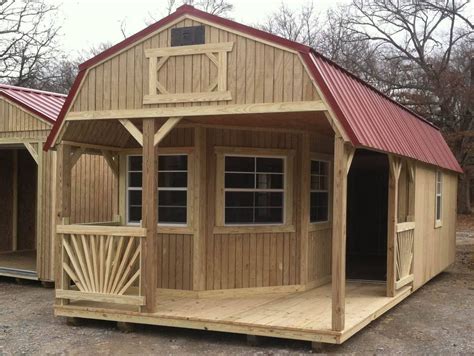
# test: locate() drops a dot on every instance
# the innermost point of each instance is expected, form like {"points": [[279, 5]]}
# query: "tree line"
{"points": [[418, 52]]}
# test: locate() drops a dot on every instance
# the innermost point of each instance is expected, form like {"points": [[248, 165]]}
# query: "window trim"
{"points": [[166, 227], [438, 222], [322, 225], [288, 176]]}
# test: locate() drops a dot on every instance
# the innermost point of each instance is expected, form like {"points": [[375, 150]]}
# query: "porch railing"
{"points": [[101, 263], [404, 253]]}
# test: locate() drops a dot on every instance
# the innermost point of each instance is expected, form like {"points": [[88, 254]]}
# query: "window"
{"points": [[439, 195], [319, 190], [172, 189], [254, 190]]}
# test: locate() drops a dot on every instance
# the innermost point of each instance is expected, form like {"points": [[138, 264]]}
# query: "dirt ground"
{"points": [[437, 319]]}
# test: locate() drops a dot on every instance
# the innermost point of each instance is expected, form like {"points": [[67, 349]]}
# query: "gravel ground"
{"points": [[437, 319]]}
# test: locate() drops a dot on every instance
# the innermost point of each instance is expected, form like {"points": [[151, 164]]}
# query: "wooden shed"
{"points": [[28, 181], [263, 189]]}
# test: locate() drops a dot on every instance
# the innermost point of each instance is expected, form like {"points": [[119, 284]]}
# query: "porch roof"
{"points": [[369, 118], [46, 105]]}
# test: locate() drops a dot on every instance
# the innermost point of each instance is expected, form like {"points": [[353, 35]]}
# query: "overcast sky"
{"points": [[86, 23]]}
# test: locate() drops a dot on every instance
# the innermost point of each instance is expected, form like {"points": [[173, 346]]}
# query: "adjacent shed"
{"points": [[28, 183], [263, 189]]}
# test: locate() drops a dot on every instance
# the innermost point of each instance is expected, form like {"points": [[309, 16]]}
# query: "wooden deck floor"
{"points": [[21, 264], [301, 315]]}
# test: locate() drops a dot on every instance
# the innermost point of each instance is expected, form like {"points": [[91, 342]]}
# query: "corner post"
{"points": [[63, 206], [342, 161], [394, 175], [149, 260]]}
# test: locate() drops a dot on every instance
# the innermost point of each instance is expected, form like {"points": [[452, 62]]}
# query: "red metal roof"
{"points": [[45, 104], [370, 118]]}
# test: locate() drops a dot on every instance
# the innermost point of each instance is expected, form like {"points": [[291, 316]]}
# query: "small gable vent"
{"points": [[185, 36]]}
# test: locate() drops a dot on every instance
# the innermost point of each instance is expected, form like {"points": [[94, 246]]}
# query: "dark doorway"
{"points": [[367, 202]]}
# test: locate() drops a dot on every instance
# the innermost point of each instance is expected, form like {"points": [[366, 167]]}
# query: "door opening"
{"points": [[367, 202]]}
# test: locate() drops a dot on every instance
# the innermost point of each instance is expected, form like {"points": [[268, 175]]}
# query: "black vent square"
{"points": [[185, 36]]}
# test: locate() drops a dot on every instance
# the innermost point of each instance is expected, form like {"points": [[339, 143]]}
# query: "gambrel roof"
{"points": [[369, 118], [46, 105]]}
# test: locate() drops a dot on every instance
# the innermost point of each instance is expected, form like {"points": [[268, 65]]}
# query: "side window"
{"points": [[439, 195], [172, 189], [319, 190], [254, 190]]}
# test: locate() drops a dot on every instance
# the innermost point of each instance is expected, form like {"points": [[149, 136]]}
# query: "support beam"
{"points": [[149, 261], [39, 210], [113, 164], [209, 110], [133, 130], [395, 166], [33, 152], [304, 192], [76, 154], [63, 213], [200, 209], [342, 161], [165, 129]]}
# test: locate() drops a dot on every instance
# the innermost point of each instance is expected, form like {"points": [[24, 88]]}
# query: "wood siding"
{"points": [[15, 122], [434, 248], [257, 73], [319, 261]]}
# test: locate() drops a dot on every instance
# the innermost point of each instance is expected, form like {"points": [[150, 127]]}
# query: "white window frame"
{"points": [[288, 156], [281, 190], [438, 194], [187, 189], [328, 190]]}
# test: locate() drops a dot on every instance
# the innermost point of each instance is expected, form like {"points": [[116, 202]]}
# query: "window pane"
{"points": [[239, 180], [242, 199], [240, 164], [134, 214], [315, 167], [172, 198], [135, 179], [169, 215], [438, 208], [172, 179], [135, 163], [268, 215], [269, 181], [319, 206], [135, 197], [238, 215], [270, 165], [173, 163], [268, 199]]}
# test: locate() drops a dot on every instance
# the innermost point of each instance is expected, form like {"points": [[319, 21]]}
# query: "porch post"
{"points": [[395, 166], [149, 260], [342, 161], [63, 206]]}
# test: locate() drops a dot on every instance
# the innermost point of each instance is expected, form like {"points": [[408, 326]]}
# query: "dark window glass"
{"points": [[269, 165], [172, 215], [135, 197], [173, 163], [269, 199], [240, 164], [268, 215], [134, 214], [239, 180], [239, 199], [319, 206], [135, 163], [172, 179], [239, 215], [172, 198], [135, 179], [269, 181], [438, 207]]}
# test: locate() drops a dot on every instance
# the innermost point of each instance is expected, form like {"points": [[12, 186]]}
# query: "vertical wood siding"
{"points": [[16, 122], [319, 262], [434, 248], [256, 73]]}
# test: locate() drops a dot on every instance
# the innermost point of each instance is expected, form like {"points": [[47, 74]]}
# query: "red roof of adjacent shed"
{"points": [[370, 118], [45, 104]]}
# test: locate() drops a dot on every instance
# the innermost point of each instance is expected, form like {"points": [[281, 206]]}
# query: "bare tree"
{"points": [[221, 8], [27, 39], [425, 48]]}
